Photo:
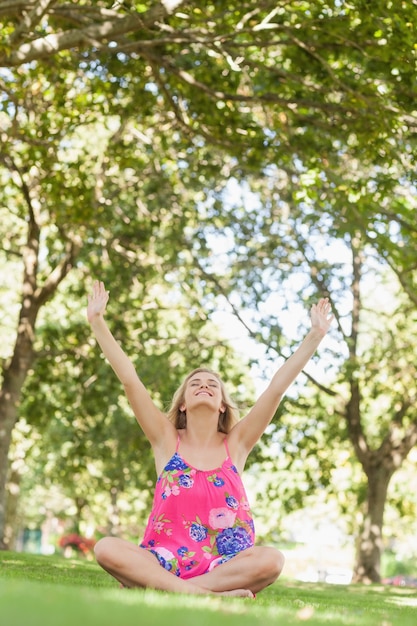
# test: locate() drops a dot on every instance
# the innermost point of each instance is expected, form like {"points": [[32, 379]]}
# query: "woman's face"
{"points": [[203, 389]]}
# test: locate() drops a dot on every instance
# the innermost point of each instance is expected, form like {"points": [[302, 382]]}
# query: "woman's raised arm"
{"points": [[153, 422], [247, 432]]}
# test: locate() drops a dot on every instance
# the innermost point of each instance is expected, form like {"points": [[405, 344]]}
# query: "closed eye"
{"points": [[197, 382]]}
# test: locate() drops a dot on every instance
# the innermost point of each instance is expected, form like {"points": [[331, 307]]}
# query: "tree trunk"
{"points": [[13, 379], [13, 513], [7, 422], [369, 549], [113, 525]]}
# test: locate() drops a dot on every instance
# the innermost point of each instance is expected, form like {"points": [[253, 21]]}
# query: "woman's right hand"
{"points": [[97, 301]]}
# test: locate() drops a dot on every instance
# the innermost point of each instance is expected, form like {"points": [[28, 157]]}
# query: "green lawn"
{"points": [[53, 591]]}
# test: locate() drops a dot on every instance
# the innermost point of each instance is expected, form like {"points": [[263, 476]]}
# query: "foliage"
{"points": [[255, 155], [279, 81], [281, 253], [393, 566], [92, 446]]}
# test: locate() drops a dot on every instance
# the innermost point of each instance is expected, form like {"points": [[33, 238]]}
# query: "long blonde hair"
{"points": [[227, 419]]}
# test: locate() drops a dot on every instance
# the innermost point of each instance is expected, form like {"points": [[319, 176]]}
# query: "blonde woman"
{"points": [[200, 536]]}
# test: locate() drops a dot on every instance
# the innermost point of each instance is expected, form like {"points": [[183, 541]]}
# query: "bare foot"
{"points": [[237, 593]]}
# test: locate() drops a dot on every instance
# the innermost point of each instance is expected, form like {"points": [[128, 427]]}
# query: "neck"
{"points": [[202, 426]]}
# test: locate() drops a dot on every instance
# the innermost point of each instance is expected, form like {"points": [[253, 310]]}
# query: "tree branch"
{"points": [[30, 20], [98, 35], [396, 447], [56, 276], [217, 95], [220, 289]]}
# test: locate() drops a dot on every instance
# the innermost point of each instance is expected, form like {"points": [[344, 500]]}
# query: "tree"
{"points": [[278, 78], [285, 251], [325, 93], [88, 443], [34, 296], [123, 214]]}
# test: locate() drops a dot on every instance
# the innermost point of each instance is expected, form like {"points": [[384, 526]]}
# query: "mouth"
{"points": [[203, 393]]}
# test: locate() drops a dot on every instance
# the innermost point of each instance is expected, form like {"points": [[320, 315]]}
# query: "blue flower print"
{"points": [[217, 482], [167, 560], [165, 564], [232, 502], [175, 463], [183, 551], [233, 540], [225, 558], [185, 481], [198, 532]]}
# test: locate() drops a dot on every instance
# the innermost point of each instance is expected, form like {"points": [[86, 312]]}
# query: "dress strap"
{"points": [[227, 447], [178, 442]]}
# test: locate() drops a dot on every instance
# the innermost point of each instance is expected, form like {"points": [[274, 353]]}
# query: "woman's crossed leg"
{"points": [[243, 575]]}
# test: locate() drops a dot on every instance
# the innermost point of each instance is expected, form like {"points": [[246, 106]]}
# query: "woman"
{"points": [[200, 534]]}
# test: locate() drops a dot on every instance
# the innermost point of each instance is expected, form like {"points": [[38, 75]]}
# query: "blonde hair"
{"points": [[227, 419]]}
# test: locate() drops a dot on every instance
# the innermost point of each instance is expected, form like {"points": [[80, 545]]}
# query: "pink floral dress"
{"points": [[199, 518]]}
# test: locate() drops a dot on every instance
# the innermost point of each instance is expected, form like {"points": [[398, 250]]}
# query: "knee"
{"points": [[272, 564], [104, 551]]}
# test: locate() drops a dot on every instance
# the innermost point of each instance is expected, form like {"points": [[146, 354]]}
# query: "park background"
{"points": [[220, 167]]}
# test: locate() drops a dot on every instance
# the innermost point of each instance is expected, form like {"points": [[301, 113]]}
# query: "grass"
{"points": [[53, 591]]}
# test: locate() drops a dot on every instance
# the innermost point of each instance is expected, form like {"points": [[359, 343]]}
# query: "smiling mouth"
{"points": [[203, 393]]}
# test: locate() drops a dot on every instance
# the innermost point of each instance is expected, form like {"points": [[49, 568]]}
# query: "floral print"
{"points": [[185, 481], [233, 540], [221, 518], [176, 463], [167, 560], [197, 532], [199, 518]]}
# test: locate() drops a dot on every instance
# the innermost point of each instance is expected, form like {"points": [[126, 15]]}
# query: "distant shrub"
{"points": [[78, 543]]}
